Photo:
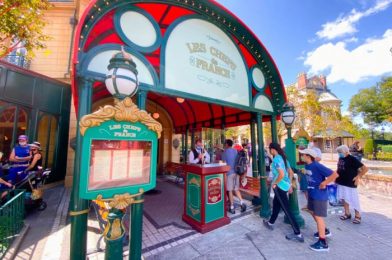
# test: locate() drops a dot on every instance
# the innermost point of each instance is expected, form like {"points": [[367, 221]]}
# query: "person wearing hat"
{"points": [[36, 160], [350, 171], [318, 177], [19, 157]]}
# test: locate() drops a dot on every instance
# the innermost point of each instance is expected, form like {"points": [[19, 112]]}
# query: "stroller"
{"points": [[33, 184]]}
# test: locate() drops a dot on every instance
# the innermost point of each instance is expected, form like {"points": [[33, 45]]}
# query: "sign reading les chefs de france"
{"points": [[202, 60], [117, 157]]}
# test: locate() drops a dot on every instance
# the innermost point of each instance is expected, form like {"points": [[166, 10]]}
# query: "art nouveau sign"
{"points": [[202, 60], [119, 151]]}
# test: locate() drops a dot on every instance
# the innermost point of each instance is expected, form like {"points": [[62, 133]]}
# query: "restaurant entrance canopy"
{"points": [[194, 50]]}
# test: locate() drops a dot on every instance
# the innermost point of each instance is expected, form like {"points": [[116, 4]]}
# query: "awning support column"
{"points": [[79, 207], [186, 145], [141, 99], [255, 172], [274, 132], [265, 210]]}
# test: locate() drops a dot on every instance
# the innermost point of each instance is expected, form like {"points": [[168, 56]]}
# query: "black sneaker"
{"points": [[319, 247], [268, 225], [243, 207], [295, 237], [232, 210], [327, 233]]}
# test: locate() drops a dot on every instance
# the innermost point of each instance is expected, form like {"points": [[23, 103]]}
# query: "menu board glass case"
{"points": [[118, 157], [119, 163]]}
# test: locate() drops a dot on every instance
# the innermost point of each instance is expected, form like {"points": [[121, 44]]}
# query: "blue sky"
{"points": [[349, 41]]}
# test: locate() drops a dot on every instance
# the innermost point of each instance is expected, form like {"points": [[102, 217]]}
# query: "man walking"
{"points": [[232, 179], [318, 177]]}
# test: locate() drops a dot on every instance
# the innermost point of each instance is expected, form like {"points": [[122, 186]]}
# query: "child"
{"points": [[318, 177]]}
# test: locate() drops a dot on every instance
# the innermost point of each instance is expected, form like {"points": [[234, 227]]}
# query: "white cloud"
{"points": [[352, 39], [345, 25], [373, 58]]}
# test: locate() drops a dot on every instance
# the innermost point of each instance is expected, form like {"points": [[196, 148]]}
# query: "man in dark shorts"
{"points": [[318, 177]]}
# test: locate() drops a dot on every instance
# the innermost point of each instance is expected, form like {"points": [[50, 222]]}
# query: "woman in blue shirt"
{"points": [[281, 184]]}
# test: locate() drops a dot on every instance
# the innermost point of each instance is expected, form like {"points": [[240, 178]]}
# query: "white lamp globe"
{"points": [[288, 114], [121, 80]]}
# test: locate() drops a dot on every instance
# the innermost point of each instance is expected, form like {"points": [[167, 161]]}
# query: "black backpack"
{"points": [[240, 165]]}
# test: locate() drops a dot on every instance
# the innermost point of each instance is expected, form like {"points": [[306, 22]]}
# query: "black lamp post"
{"points": [[122, 82], [288, 118]]}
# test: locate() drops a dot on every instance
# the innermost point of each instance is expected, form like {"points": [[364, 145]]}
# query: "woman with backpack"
{"points": [[281, 185]]}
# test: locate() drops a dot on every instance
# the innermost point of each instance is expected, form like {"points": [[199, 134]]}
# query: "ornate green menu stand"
{"points": [[205, 195]]}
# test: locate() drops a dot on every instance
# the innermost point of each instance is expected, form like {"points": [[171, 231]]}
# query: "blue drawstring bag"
{"points": [[332, 195]]}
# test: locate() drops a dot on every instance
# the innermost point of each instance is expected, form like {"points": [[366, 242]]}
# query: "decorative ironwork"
{"points": [[118, 204], [124, 110]]}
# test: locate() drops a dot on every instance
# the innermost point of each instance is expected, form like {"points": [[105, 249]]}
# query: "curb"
{"points": [[13, 250]]}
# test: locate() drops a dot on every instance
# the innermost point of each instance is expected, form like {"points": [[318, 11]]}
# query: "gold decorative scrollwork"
{"points": [[194, 211], [194, 181], [124, 110], [120, 201]]}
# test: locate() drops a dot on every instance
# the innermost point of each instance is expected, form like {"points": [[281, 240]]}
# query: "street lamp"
{"points": [[288, 115], [121, 80], [288, 118], [383, 132]]}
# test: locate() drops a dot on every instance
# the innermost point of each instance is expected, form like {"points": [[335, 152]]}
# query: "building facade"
{"points": [[330, 138]]}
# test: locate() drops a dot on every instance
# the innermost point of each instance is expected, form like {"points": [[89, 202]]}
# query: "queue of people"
{"points": [[316, 178], [313, 181]]}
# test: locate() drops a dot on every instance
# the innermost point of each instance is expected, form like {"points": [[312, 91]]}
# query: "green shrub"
{"points": [[369, 146], [386, 148], [383, 156]]}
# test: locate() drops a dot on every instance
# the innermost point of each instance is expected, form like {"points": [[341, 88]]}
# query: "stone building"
{"points": [[318, 84]]}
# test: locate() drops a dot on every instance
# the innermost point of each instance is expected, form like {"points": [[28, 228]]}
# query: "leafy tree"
{"points": [[308, 110], [331, 126], [21, 25], [374, 103], [280, 129], [355, 129]]}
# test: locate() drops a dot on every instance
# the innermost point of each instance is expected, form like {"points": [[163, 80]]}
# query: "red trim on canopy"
{"points": [[190, 113]]}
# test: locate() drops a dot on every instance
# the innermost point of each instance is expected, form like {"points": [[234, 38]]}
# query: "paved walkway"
{"points": [[244, 238]]}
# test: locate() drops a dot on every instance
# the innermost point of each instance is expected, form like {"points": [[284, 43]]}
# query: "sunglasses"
{"points": [[34, 149]]}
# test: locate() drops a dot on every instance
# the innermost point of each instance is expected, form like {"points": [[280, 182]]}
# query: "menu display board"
{"points": [[119, 163], [117, 158]]}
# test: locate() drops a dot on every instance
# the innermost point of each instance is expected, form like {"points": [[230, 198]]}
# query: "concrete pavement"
{"points": [[247, 238], [244, 238]]}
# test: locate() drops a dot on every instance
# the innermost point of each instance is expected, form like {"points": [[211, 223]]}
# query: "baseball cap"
{"points": [[310, 152], [22, 137]]}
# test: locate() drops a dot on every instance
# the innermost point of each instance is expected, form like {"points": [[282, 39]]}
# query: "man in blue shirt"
{"points": [[232, 179], [318, 177]]}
